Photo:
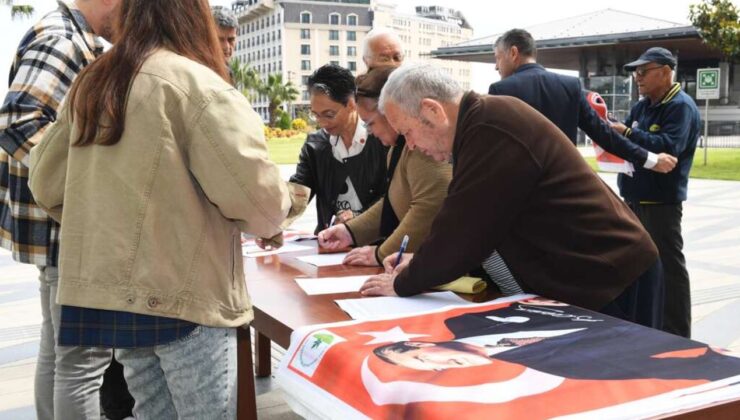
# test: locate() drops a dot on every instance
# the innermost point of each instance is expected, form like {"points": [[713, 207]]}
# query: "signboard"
{"points": [[707, 84]]}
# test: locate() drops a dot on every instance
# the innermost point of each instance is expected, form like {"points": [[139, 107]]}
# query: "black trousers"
{"points": [[115, 399], [663, 223], [643, 301]]}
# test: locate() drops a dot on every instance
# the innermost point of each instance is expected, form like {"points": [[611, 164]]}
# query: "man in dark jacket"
{"points": [[561, 230], [561, 99], [665, 120]]}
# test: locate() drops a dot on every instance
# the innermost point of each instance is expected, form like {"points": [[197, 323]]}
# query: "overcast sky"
{"points": [[486, 18]]}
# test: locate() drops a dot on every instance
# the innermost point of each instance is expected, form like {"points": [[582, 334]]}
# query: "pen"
{"points": [[333, 219], [404, 244]]}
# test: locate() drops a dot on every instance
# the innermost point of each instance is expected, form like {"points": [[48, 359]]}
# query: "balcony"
{"points": [[250, 9]]}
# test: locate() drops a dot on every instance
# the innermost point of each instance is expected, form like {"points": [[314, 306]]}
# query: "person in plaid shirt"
{"points": [[48, 59]]}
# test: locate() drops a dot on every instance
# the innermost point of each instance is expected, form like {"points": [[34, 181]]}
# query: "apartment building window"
{"points": [[351, 36], [352, 65], [333, 50], [333, 35], [278, 18], [305, 34], [306, 96], [304, 80], [273, 19], [334, 18], [280, 66], [305, 49], [278, 36], [305, 17], [352, 20], [351, 51], [280, 50], [334, 62], [305, 64]]}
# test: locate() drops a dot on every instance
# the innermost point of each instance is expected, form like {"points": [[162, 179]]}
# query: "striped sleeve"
{"points": [[43, 76]]}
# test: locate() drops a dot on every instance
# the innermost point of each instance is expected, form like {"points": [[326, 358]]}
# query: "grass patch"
{"points": [[721, 164], [285, 150]]}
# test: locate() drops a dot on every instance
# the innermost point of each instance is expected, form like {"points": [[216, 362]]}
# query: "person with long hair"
{"points": [[417, 186], [154, 167]]}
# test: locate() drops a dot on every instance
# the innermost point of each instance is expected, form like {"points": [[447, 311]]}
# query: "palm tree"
{"points": [[246, 79], [23, 10], [277, 92]]}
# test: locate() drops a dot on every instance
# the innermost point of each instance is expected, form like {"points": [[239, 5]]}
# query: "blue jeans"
{"points": [[68, 379], [190, 378]]}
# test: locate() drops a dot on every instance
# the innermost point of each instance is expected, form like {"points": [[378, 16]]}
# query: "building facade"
{"points": [[295, 37]]}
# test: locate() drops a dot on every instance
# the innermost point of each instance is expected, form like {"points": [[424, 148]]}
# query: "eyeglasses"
{"points": [[643, 72], [328, 115], [385, 59]]}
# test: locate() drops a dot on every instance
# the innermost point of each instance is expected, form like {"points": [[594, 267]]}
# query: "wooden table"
{"points": [[281, 306]]}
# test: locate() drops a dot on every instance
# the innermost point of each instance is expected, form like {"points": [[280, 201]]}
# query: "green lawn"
{"points": [[285, 150], [721, 164]]}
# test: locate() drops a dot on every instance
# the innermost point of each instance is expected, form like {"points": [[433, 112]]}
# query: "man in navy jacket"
{"points": [[561, 99], [665, 120]]}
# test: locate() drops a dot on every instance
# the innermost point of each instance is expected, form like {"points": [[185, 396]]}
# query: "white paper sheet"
{"points": [[327, 285], [254, 251], [379, 307], [324, 260]]}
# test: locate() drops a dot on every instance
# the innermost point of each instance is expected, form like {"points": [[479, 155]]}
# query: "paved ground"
{"points": [[711, 232]]}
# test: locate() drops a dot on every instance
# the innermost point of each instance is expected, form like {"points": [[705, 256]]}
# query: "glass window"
{"points": [[305, 49], [305, 17], [352, 20], [334, 19], [305, 34], [333, 35], [351, 51], [333, 50], [304, 80], [352, 66], [351, 36], [334, 62], [305, 64]]}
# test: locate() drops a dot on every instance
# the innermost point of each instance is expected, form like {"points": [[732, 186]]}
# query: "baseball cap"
{"points": [[653, 55]]}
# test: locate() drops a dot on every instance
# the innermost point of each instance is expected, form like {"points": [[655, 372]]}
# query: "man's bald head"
{"points": [[382, 48]]}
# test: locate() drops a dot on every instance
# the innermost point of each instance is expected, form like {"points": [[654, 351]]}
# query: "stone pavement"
{"points": [[711, 233]]}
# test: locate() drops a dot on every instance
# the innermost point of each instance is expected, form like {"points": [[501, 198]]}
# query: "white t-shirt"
{"points": [[348, 199]]}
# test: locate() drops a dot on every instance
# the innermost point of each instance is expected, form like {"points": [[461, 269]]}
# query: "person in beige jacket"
{"points": [[417, 185], [154, 168]]}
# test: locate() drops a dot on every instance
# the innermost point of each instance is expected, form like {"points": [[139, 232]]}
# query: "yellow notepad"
{"points": [[464, 284]]}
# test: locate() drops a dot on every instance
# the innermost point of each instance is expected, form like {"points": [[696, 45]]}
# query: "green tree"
{"points": [[719, 26], [276, 93], [16, 10], [246, 79]]}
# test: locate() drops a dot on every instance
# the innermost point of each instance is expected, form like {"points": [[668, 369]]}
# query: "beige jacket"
{"points": [[418, 188], [152, 224]]}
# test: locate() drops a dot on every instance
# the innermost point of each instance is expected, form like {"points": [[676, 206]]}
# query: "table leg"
{"points": [[246, 404], [263, 361]]}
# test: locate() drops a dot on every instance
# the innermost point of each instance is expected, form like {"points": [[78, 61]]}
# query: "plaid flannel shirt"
{"points": [[87, 327], [48, 59]]}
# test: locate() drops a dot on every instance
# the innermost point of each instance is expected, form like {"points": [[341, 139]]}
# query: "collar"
{"points": [[466, 102], [94, 42], [672, 92], [359, 138], [528, 66]]}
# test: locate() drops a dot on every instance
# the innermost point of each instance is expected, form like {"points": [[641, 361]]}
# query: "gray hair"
{"points": [[412, 83], [224, 17], [377, 33]]}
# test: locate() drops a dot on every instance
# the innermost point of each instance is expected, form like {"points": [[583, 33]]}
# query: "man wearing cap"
{"points": [[665, 120]]}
